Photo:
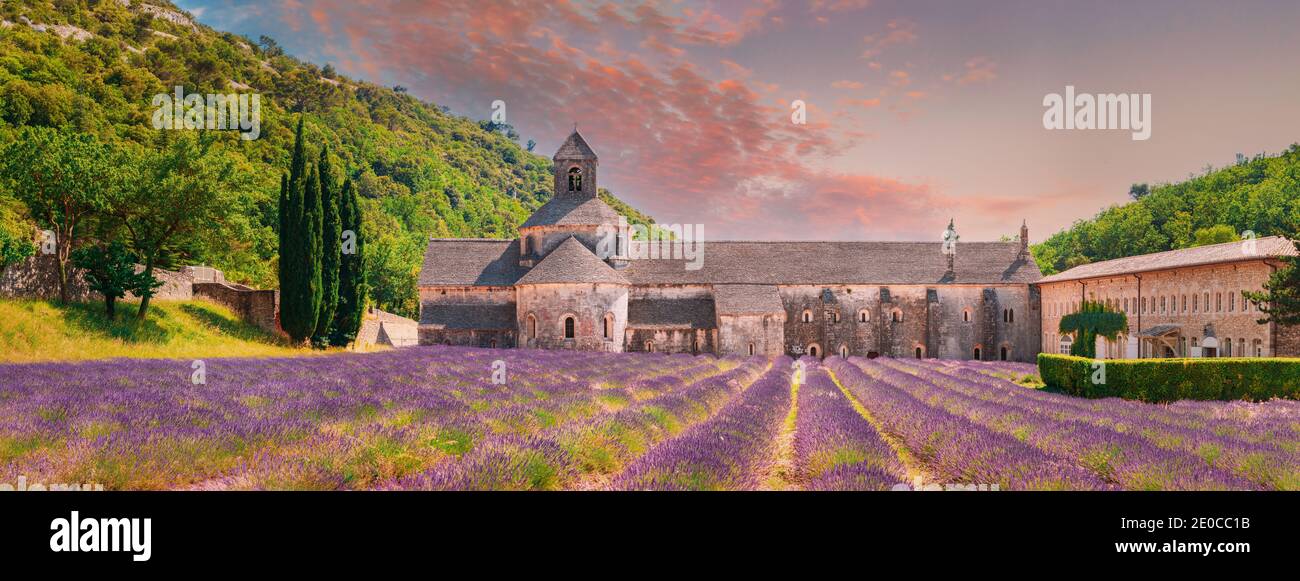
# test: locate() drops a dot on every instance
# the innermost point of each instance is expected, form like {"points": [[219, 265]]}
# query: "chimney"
{"points": [[1024, 240]]}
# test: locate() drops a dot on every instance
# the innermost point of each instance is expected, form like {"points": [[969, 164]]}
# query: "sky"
{"points": [[917, 111]]}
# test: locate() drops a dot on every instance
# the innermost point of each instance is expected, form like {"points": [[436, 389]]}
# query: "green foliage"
{"points": [[331, 239], [109, 270], [297, 313], [418, 171], [1169, 380], [64, 179], [15, 232], [1261, 195], [1280, 299], [352, 271], [1093, 319]]}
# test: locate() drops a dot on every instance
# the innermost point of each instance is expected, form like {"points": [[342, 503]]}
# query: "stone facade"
{"points": [[1182, 303], [565, 284]]}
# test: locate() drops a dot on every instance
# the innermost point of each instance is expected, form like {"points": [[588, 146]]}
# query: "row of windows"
{"points": [[569, 324], [864, 316], [1225, 348], [1165, 304]]}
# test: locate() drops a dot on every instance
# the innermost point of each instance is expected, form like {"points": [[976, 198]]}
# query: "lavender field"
{"points": [[447, 418]]}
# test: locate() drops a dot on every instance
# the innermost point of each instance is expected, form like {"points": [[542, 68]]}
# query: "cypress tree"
{"points": [[330, 241], [294, 250], [352, 271], [312, 224]]}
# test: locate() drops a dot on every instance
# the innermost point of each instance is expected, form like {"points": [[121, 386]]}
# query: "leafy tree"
{"points": [[1280, 299], [352, 271], [1217, 234], [109, 270], [177, 192], [331, 240], [1138, 191], [1094, 319], [15, 233], [64, 179]]}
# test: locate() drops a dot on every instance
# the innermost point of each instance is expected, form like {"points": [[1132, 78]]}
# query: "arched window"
{"points": [[836, 317], [898, 315], [1227, 347], [1067, 341], [492, 344], [532, 326], [965, 315], [807, 316], [695, 346], [609, 326], [844, 351], [1011, 315], [976, 354], [1218, 302], [864, 316], [1003, 353], [1259, 348], [575, 179], [751, 349], [814, 350], [569, 327], [649, 346], [1232, 302], [920, 353]]}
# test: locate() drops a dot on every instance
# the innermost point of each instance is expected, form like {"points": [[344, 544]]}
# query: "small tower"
{"points": [[575, 168]]}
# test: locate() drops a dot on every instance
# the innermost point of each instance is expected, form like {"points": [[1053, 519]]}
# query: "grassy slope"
{"points": [[32, 330]]}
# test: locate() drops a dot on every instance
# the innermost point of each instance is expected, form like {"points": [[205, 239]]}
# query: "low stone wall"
{"points": [[37, 277], [259, 307]]}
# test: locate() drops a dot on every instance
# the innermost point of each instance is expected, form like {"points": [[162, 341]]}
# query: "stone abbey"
{"points": [[552, 288]]}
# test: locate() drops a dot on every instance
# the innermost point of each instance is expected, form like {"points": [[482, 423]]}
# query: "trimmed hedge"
{"points": [[1167, 380]]}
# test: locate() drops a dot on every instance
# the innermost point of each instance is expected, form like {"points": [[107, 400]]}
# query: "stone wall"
{"points": [[37, 277], [736, 333], [259, 307]]}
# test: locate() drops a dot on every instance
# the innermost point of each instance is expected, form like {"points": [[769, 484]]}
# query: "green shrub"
{"points": [[1167, 380]]}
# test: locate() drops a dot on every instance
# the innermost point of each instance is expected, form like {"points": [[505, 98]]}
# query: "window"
{"points": [[1162, 305], [575, 179], [569, 324], [1011, 314], [1003, 353], [1259, 348], [813, 350], [1125, 304], [695, 346], [532, 326], [898, 316], [1067, 342], [1206, 303], [1184, 303], [1195, 305], [609, 326], [864, 316], [1144, 306], [1227, 347], [965, 315], [1004, 316], [649, 346], [844, 351], [836, 317], [492, 344], [977, 354], [807, 316], [751, 349], [1232, 302], [1218, 302], [919, 353]]}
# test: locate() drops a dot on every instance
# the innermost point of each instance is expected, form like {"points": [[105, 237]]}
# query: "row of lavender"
{"points": [[348, 421], [1134, 445]]}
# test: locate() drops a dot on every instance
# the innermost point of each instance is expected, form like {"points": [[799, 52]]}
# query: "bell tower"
{"points": [[575, 168]]}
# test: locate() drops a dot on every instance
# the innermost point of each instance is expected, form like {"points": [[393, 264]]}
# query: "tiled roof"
{"points": [[494, 262], [670, 314], [1272, 246], [572, 262], [747, 299], [839, 263], [568, 210], [471, 261], [476, 316], [575, 147]]}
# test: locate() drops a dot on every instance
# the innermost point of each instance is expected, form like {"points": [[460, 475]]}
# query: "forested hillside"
{"points": [[93, 67], [1259, 194]]}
